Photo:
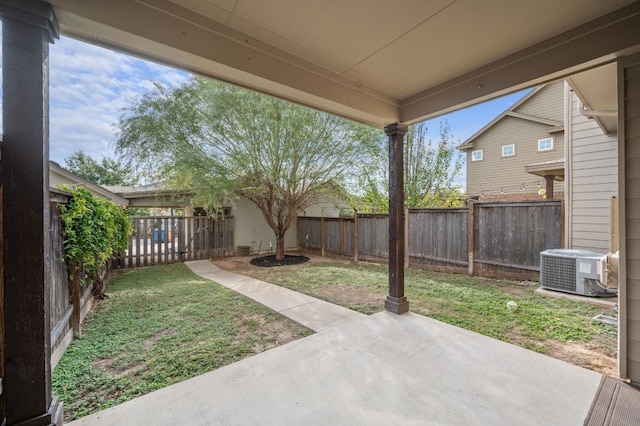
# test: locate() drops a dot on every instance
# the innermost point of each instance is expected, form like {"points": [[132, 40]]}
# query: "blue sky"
{"points": [[89, 87]]}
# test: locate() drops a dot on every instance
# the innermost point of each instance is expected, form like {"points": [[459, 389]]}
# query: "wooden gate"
{"points": [[171, 239]]}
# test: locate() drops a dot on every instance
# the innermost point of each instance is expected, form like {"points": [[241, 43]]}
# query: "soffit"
{"points": [[597, 89], [375, 62]]}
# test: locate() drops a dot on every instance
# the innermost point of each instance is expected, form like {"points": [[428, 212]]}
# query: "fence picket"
{"points": [[169, 239], [495, 239]]}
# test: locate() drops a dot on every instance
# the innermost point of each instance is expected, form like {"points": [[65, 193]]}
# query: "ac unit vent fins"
{"points": [[558, 272]]}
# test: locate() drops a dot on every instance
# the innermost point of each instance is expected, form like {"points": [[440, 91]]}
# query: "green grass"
{"points": [[474, 303], [161, 325]]}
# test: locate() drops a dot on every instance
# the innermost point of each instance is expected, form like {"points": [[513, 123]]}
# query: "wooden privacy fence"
{"points": [[65, 314], [490, 239], [171, 239]]}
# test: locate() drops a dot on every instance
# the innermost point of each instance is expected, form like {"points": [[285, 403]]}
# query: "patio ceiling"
{"points": [[375, 62]]}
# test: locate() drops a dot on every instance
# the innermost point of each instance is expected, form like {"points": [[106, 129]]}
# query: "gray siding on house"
{"points": [[594, 162], [630, 311], [495, 172], [547, 103]]}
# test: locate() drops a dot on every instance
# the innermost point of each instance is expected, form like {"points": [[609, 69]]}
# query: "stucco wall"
{"points": [[251, 228]]}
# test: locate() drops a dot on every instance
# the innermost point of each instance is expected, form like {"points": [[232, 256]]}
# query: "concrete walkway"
{"points": [[368, 370], [313, 313]]}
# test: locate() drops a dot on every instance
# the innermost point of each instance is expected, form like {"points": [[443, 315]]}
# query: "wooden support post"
{"points": [[471, 236], [549, 187], [356, 236], [28, 26], [396, 301]]}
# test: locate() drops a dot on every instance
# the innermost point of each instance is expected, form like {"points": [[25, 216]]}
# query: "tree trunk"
{"points": [[280, 248]]}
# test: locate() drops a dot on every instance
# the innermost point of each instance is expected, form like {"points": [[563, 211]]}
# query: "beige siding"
{"points": [[630, 311], [495, 172], [547, 103], [594, 179]]}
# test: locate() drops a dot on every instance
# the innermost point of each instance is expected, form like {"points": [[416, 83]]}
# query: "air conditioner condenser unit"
{"points": [[580, 272]]}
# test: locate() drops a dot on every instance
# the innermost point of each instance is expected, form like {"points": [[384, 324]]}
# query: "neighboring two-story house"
{"points": [[550, 137], [514, 155]]}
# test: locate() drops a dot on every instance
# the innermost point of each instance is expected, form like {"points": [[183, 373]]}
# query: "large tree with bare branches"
{"points": [[223, 142]]}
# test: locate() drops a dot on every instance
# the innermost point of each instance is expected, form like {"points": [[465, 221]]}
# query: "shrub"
{"points": [[93, 230]]}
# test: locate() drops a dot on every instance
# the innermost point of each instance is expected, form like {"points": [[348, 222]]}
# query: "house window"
{"points": [[476, 155], [508, 150], [545, 144]]}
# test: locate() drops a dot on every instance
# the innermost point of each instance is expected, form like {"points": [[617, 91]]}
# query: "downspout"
{"points": [[568, 169], [590, 113]]}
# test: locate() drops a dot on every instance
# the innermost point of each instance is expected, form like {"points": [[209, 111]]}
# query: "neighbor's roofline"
{"points": [[468, 144]]}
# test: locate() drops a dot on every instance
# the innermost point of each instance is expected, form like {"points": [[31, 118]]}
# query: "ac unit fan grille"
{"points": [[558, 273]]}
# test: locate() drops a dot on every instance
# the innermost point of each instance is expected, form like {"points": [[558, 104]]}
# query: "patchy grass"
{"points": [[558, 327], [161, 325]]}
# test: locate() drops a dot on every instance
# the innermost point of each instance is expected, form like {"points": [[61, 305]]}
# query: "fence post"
{"points": [[342, 222], [355, 236], [471, 236], [75, 301], [297, 233], [562, 224], [406, 237], [322, 236]]}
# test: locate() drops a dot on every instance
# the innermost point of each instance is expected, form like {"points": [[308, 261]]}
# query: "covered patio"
{"points": [[387, 64], [367, 370]]}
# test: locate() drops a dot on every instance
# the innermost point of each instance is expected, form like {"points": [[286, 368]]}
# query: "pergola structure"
{"points": [[386, 64]]}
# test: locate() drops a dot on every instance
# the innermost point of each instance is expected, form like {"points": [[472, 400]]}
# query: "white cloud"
{"points": [[89, 87]]}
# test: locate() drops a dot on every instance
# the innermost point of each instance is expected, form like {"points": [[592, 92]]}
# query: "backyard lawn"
{"points": [[161, 325], [560, 328]]}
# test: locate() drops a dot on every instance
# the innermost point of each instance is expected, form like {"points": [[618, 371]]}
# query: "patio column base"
{"points": [[397, 305], [53, 416]]}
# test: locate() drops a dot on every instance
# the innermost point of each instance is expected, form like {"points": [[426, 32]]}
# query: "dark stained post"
{"points": [[28, 26], [549, 187], [396, 301]]}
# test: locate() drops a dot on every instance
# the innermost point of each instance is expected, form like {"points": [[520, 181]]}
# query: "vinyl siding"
{"points": [[494, 172], [547, 103], [631, 312], [594, 165]]}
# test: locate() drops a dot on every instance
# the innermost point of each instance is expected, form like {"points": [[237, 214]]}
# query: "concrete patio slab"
{"points": [[382, 369], [313, 313]]}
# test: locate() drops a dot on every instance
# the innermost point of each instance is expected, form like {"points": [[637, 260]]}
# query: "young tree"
{"points": [[222, 142], [106, 172], [430, 170]]}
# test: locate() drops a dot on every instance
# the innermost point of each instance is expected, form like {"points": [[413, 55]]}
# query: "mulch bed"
{"points": [[270, 260]]}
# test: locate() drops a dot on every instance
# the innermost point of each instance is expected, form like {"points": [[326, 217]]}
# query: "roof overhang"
{"points": [[376, 63], [74, 180], [553, 168], [154, 197], [597, 91]]}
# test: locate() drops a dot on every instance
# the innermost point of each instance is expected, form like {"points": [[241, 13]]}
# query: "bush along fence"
{"points": [[488, 239], [85, 232]]}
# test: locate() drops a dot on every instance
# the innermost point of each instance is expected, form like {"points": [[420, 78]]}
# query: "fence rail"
{"points": [[492, 239], [171, 239]]}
